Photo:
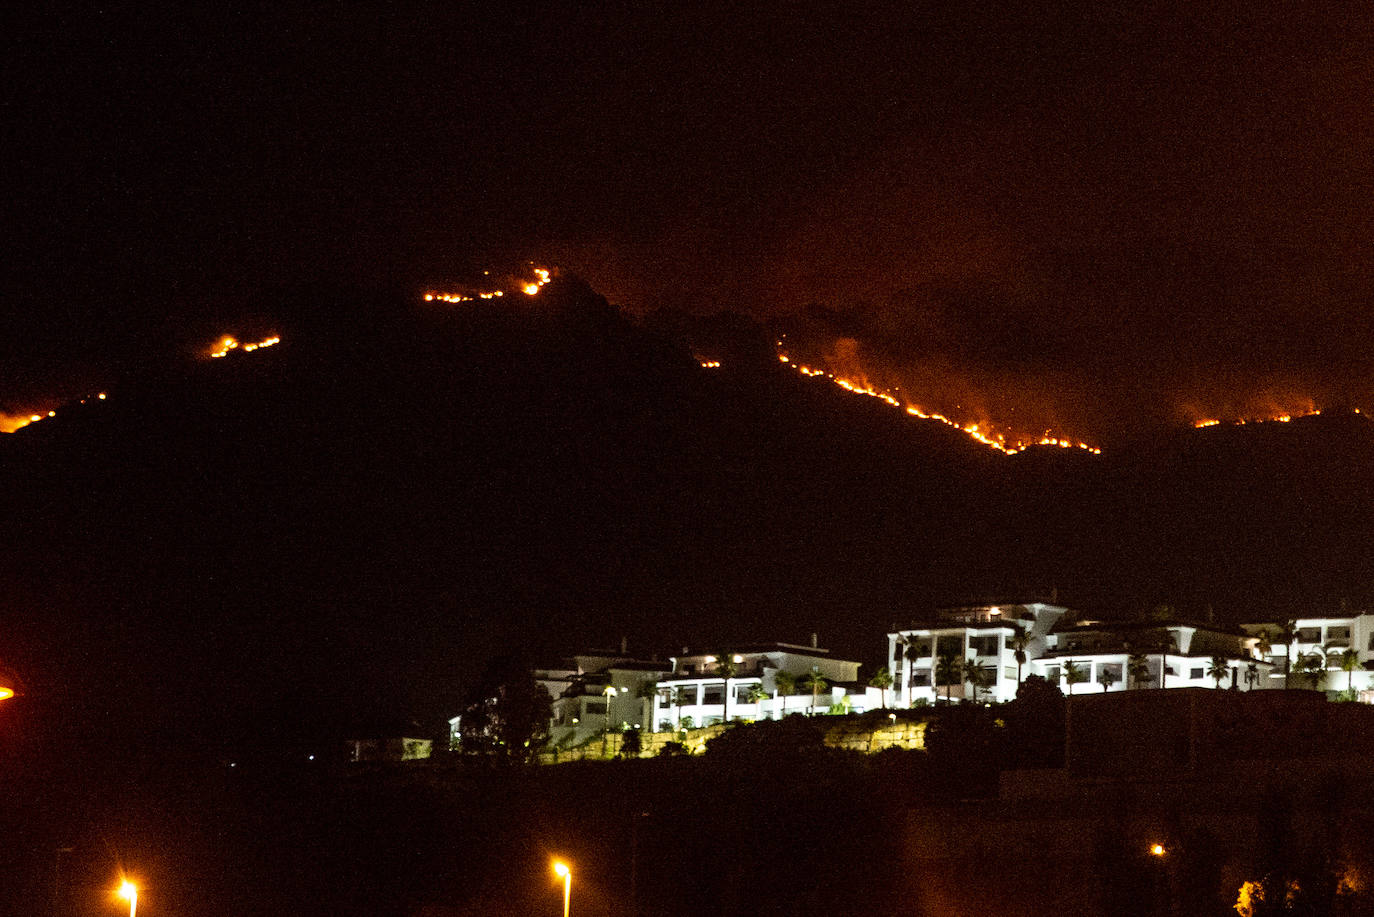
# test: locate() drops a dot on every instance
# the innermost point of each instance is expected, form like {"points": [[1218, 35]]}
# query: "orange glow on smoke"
{"points": [[1005, 442]]}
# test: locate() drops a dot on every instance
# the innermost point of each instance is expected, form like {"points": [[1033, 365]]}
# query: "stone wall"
{"points": [[848, 732]]}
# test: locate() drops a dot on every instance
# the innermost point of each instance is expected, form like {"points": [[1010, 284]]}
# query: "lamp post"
{"points": [[563, 870], [129, 891], [1163, 897]]}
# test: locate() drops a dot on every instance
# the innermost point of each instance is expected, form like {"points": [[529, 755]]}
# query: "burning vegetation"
{"points": [[1004, 441]]}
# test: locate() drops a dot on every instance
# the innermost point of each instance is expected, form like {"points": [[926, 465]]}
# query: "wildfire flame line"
{"points": [[218, 350], [1276, 418], [221, 348], [990, 438], [529, 288], [11, 422]]}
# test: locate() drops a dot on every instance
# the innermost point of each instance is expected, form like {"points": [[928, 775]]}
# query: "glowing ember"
{"points": [[988, 437]]}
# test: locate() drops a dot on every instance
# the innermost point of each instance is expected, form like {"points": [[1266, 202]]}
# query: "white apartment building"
{"points": [[1077, 654], [743, 683], [605, 691], [1170, 654], [984, 635], [1328, 638]]}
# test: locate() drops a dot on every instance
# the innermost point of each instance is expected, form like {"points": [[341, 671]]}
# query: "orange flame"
{"points": [[11, 422], [221, 348], [528, 287], [1001, 442]]}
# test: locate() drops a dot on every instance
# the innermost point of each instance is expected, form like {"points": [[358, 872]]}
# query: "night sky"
{"points": [[1093, 218]]}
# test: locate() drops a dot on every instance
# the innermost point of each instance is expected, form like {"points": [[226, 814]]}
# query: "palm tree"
{"points": [[977, 676], [1350, 661], [1313, 668], [786, 684], [911, 654], [949, 670], [1138, 668], [1252, 675], [1218, 669], [882, 680], [1107, 677], [1019, 642], [815, 683], [1264, 642], [1288, 631], [678, 699], [1074, 674], [725, 668]]}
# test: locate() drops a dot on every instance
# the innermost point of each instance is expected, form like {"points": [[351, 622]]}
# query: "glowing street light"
{"points": [[1157, 850], [565, 872], [129, 891]]}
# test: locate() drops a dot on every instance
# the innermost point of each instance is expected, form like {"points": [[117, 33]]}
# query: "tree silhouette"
{"points": [[1138, 669], [815, 683], [1074, 674], [1106, 678], [949, 671], [1217, 669], [1288, 630], [786, 684], [1350, 661], [977, 676], [507, 714], [882, 680], [1020, 642], [1312, 666], [725, 668]]}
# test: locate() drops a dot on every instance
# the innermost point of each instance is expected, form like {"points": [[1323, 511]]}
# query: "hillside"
{"points": [[270, 546]]}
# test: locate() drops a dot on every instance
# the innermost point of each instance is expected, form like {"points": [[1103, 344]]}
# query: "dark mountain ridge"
{"points": [[270, 546]]}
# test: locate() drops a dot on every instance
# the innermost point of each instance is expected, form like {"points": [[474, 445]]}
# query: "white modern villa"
{"points": [[981, 635], [1082, 655], [930, 660], [1342, 648], [763, 682]]}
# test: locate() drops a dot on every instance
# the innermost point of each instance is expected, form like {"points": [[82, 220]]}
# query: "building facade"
{"points": [[760, 682]]}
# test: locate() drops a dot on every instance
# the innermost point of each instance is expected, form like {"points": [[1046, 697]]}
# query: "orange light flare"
{"points": [[980, 432], [709, 364], [129, 892]]}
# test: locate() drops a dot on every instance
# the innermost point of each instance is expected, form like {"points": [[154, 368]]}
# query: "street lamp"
{"points": [[129, 891], [563, 870]]}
